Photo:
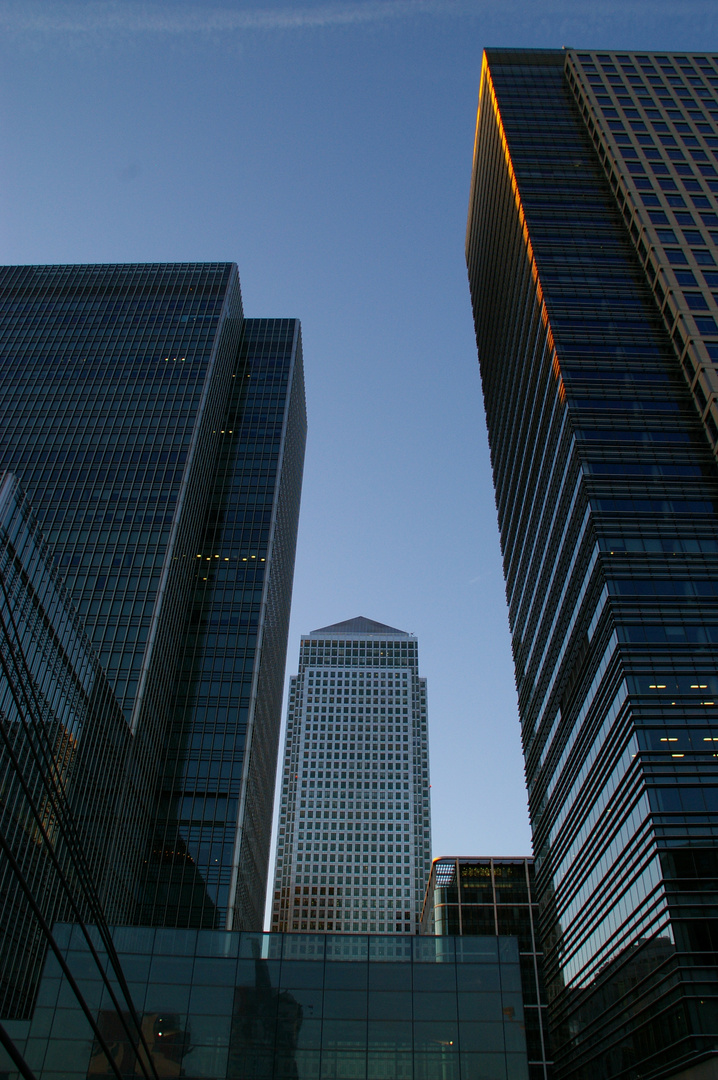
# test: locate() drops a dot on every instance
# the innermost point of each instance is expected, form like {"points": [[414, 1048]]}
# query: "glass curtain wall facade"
{"points": [[472, 897], [210, 855], [289, 1007], [159, 434], [606, 493], [63, 741], [354, 842]]}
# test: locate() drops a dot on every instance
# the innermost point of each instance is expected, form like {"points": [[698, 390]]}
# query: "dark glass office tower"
{"points": [[65, 845], [159, 437], [589, 250], [209, 861]]}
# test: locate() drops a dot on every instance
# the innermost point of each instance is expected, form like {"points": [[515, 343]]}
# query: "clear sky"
{"points": [[326, 148]]}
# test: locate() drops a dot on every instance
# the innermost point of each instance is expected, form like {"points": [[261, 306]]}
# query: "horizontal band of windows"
{"points": [[653, 544], [636, 435], [676, 634], [602, 327], [638, 468], [661, 587], [647, 350], [684, 799], [627, 404], [653, 506]]}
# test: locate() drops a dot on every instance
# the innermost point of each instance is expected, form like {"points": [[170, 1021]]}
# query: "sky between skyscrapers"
{"points": [[327, 148]]}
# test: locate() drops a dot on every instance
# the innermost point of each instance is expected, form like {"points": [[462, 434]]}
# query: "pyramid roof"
{"points": [[360, 625]]}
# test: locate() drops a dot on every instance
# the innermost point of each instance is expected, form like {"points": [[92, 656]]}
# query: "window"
{"points": [[696, 301]]}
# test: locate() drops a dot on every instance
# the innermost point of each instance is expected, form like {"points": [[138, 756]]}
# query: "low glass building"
{"points": [[496, 896], [223, 1005]]}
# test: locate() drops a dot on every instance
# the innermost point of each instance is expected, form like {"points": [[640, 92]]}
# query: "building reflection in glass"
{"points": [[266, 1022], [168, 1041], [226, 1006]]}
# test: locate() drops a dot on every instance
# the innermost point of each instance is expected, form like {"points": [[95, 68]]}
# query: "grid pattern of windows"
{"points": [[291, 1007], [160, 438], [354, 840], [606, 492], [654, 122], [63, 741], [496, 896]]}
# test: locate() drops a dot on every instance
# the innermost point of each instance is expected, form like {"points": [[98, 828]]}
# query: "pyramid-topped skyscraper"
{"points": [[354, 846]]}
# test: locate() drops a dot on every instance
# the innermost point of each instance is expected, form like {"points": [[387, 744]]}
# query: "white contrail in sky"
{"points": [[54, 17], [162, 18]]}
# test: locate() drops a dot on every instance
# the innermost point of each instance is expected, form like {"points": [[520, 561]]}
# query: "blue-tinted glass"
{"points": [[351, 1004], [395, 1033], [432, 1066], [484, 1036], [344, 1034], [434, 977], [435, 1006], [436, 1036], [259, 1026], [351, 1065], [390, 977], [478, 1006], [342, 976], [483, 1066], [389, 1006], [395, 1065], [298, 973]]}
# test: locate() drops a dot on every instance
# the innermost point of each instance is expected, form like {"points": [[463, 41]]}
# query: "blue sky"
{"points": [[326, 148]]}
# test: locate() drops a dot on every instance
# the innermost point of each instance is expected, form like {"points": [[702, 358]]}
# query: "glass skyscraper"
{"points": [[354, 842], [159, 437], [592, 261]]}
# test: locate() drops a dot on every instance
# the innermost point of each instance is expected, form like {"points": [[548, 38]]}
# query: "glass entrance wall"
{"points": [[358, 1007]]}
